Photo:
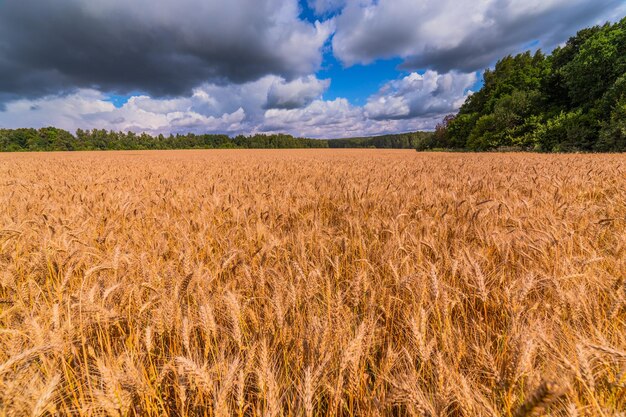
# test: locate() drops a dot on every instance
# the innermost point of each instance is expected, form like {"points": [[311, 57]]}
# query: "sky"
{"points": [[313, 68]]}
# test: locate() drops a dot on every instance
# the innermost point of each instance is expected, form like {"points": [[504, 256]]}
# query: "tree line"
{"points": [[411, 140], [571, 100], [54, 139]]}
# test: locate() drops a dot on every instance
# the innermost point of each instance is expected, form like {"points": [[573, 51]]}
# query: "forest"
{"points": [[573, 100], [54, 139], [412, 140]]}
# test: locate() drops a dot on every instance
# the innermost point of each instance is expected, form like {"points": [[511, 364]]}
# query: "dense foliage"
{"points": [[410, 140], [53, 139], [571, 100]]}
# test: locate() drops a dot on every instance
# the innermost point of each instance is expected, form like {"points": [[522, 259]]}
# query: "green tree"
{"points": [[568, 101], [613, 132]]}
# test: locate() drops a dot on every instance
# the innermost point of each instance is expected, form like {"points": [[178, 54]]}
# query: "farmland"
{"points": [[312, 282]]}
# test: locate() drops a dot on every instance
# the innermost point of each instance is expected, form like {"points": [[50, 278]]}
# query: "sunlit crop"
{"points": [[312, 283]]}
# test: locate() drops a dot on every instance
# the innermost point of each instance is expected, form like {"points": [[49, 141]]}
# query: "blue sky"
{"points": [[317, 68]]}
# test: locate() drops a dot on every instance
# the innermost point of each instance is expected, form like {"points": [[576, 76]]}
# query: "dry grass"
{"points": [[303, 283]]}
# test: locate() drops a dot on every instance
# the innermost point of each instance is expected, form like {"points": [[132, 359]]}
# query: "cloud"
{"points": [[63, 111], [464, 35], [245, 66], [415, 102], [295, 94], [169, 116], [270, 104], [428, 95], [48, 46], [318, 119], [87, 109], [337, 119], [211, 108]]}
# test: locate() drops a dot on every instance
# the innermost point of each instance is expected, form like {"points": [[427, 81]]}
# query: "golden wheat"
{"points": [[312, 283]]}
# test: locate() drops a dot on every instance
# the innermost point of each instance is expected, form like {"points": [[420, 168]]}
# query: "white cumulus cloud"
{"points": [[270, 104], [466, 35], [416, 95]]}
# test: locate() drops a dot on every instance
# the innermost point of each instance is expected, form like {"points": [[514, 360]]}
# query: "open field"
{"points": [[312, 282]]}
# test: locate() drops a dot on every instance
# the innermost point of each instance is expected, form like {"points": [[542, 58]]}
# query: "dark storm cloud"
{"points": [[163, 48], [462, 35]]}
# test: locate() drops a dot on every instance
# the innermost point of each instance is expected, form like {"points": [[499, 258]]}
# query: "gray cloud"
{"points": [[213, 108], [337, 119], [463, 35], [47, 46], [245, 66], [295, 94], [407, 104]]}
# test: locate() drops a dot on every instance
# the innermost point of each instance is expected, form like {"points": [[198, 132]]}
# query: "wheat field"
{"points": [[312, 283]]}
